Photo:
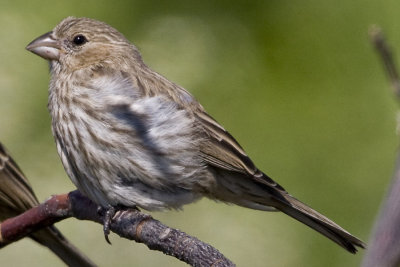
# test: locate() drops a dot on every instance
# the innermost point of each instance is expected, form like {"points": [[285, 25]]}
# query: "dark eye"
{"points": [[79, 39]]}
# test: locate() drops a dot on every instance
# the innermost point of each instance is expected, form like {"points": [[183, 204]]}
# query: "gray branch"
{"points": [[128, 223], [384, 245]]}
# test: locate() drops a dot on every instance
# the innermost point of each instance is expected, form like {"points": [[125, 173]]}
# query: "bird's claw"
{"points": [[109, 214]]}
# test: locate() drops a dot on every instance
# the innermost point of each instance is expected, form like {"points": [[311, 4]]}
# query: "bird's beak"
{"points": [[45, 46]]}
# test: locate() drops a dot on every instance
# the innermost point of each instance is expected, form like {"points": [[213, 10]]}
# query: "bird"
{"points": [[129, 137], [17, 196]]}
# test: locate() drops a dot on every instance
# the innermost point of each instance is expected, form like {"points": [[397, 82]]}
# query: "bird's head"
{"points": [[76, 43]]}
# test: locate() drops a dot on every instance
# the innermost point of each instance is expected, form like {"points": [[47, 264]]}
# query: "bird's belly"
{"points": [[124, 157], [106, 184]]}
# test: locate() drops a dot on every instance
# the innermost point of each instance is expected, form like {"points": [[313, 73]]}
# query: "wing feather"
{"points": [[221, 150]]}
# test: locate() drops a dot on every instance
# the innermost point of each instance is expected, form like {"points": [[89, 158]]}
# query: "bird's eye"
{"points": [[79, 39]]}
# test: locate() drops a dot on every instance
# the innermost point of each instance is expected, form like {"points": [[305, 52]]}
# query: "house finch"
{"points": [[17, 196], [129, 137]]}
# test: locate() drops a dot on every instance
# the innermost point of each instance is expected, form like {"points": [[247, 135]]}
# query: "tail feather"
{"points": [[318, 222], [57, 243]]}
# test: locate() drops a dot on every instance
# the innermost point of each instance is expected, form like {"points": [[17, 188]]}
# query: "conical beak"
{"points": [[45, 46]]}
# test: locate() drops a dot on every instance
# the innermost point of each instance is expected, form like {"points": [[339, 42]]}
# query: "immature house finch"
{"points": [[17, 196], [129, 137]]}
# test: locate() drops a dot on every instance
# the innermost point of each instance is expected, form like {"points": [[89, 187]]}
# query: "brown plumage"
{"points": [[17, 196], [128, 136]]}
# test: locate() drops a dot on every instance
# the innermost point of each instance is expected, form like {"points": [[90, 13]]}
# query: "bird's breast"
{"points": [[111, 144]]}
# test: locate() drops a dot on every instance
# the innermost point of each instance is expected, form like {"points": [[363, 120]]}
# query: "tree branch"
{"points": [[129, 223], [384, 245]]}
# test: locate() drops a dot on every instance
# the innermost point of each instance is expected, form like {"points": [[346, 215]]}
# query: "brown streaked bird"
{"points": [[17, 196], [129, 137]]}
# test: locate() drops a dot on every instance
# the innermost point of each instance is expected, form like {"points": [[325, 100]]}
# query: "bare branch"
{"points": [[384, 245], [129, 223]]}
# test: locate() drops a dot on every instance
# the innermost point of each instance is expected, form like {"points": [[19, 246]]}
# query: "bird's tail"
{"points": [[57, 243], [303, 213]]}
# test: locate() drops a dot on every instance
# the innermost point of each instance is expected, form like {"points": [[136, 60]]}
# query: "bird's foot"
{"points": [[107, 222], [108, 213]]}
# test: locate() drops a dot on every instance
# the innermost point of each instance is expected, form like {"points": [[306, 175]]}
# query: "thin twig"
{"points": [[130, 223]]}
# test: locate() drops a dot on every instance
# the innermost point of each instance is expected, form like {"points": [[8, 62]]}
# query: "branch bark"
{"points": [[384, 244], [129, 223]]}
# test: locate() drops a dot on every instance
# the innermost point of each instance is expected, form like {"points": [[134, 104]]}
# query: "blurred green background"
{"points": [[296, 82]]}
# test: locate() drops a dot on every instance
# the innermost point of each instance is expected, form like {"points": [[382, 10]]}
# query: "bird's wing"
{"points": [[221, 150]]}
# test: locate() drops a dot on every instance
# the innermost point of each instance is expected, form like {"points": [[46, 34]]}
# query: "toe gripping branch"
{"points": [[108, 216]]}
